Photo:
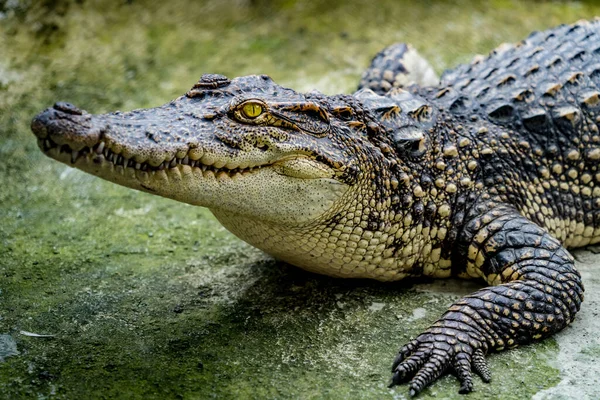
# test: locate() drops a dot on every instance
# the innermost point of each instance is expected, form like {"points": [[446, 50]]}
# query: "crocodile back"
{"points": [[547, 85], [543, 96]]}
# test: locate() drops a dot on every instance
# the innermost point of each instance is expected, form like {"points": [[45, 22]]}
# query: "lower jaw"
{"points": [[252, 191], [180, 182]]}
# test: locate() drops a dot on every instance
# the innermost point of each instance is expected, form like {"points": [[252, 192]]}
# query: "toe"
{"points": [[480, 366], [462, 366], [432, 370]]}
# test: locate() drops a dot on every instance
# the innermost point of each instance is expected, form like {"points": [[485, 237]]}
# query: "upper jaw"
{"points": [[147, 140], [178, 156], [151, 140]]}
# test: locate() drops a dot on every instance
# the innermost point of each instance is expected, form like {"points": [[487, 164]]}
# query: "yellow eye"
{"points": [[252, 110]]}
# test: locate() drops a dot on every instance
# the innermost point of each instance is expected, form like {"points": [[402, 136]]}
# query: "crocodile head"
{"points": [[244, 146], [284, 171]]}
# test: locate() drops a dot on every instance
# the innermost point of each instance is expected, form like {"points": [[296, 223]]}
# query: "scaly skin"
{"points": [[492, 176]]}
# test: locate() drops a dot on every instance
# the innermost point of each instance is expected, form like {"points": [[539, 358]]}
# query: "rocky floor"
{"points": [[110, 293]]}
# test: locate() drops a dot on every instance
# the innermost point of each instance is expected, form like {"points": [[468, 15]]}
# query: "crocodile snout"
{"points": [[66, 124]]}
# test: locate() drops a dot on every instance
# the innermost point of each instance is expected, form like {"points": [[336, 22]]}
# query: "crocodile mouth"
{"points": [[174, 151], [177, 154], [113, 142], [102, 154]]}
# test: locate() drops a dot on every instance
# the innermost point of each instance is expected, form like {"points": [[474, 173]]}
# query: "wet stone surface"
{"points": [[8, 347], [151, 299]]}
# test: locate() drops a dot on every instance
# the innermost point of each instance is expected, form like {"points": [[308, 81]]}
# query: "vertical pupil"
{"points": [[252, 110]]}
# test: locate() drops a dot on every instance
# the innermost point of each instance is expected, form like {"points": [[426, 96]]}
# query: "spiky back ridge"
{"points": [[536, 85], [542, 149]]}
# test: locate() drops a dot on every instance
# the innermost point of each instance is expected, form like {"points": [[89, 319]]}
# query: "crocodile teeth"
{"points": [[209, 166], [99, 148]]}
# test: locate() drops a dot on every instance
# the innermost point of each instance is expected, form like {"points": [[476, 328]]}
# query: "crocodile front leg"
{"points": [[537, 291]]}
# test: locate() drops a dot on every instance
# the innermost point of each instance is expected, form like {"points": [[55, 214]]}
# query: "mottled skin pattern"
{"points": [[491, 175]]}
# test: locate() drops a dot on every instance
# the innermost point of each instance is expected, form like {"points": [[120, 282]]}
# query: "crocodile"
{"points": [[490, 173]]}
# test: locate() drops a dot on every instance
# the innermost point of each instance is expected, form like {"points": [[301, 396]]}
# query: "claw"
{"points": [[399, 358], [466, 388], [396, 379], [409, 366], [432, 353]]}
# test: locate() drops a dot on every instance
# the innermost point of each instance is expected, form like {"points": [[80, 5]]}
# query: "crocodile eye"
{"points": [[252, 110]]}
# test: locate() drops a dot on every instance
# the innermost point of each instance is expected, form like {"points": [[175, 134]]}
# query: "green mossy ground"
{"points": [[148, 298]]}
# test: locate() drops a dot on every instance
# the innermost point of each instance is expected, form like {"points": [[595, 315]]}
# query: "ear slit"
{"points": [[410, 141]]}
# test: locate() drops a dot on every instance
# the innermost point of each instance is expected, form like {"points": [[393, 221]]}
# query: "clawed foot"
{"points": [[434, 352]]}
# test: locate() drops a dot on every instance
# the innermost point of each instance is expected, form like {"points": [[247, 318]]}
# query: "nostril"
{"points": [[67, 108]]}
